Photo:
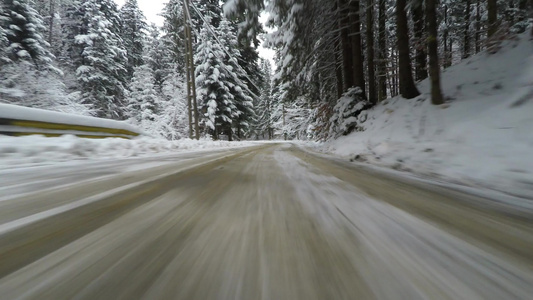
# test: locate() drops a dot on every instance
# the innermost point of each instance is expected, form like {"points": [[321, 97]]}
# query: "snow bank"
{"points": [[482, 136], [20, 151]]}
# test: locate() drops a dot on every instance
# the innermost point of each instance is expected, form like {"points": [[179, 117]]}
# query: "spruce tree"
{"points": [[133, 34], [4, 59], [143, 100], [158, 56], [265, 104], [74, 23], [102, 73], [173, 121], [209, 9], [23, 26], [248, 13], [236, 76], [173, 33], [215, 99]]}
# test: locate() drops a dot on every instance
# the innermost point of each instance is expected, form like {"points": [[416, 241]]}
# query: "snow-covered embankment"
{"points": [[482, 136]]}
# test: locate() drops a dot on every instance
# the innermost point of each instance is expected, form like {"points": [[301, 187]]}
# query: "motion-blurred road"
{"points": [[266, 222]]}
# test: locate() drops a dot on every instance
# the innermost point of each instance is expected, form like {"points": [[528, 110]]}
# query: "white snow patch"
{"points": [[35, 149]]}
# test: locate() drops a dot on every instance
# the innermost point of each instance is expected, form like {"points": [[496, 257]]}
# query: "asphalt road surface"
{"points": [[266, 222]]}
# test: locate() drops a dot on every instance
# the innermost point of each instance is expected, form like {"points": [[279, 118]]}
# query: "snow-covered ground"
{"points": [[39, 150], [482, 136]]}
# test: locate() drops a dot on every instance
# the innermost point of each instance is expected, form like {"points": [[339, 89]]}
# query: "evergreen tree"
{"points": [[248, 13], [346, 113], [102, 73], [23, 26], [172, 121], [216, 101], [73, 23], [133, 34], [173, 33], [157, 56], [244, 114], [52, 12], [209, 9], [143, 100], [265, 104], [4, 59]]}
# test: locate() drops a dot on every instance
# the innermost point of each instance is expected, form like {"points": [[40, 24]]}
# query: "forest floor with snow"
{"points": [[481, 137], [39, 150]]}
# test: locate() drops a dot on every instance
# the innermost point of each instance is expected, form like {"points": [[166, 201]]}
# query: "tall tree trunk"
{"points": [[450, 53], [346, 45], [396, 73], [492, 15], [382, 53], [407, 84], [338, 62], [433, 51], [355, 36], [478, 27], [445, 34], [466, 31], [420, 49], [370, 51]]}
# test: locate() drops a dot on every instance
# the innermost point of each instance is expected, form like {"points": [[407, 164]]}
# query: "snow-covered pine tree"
{"points": [[133, 34], [346, 116], [298, 119], [27, 74], [173, 121], [216, 102], [73, 23], [23, 27], [173, 33], [279, 95], [52, 12], [157, 56], [102, 74], [244, 114], [264, 125], [208, 8], [143, 99], [248, 11], [4, 59]]}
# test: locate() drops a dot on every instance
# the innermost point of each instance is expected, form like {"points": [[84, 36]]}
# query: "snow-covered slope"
{"points": [[482, 136]]}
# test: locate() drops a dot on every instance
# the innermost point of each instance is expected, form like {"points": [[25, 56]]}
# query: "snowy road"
{"points": [[264, 222]]}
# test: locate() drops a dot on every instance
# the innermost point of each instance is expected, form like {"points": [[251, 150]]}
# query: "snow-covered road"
{"points": [[268, 221]]}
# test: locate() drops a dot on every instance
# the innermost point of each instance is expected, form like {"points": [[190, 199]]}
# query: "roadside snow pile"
{"points": [[482, 136], [16, 151]]}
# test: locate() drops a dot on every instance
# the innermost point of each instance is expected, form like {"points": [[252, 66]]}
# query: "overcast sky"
{"points": [[152, 9]]}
